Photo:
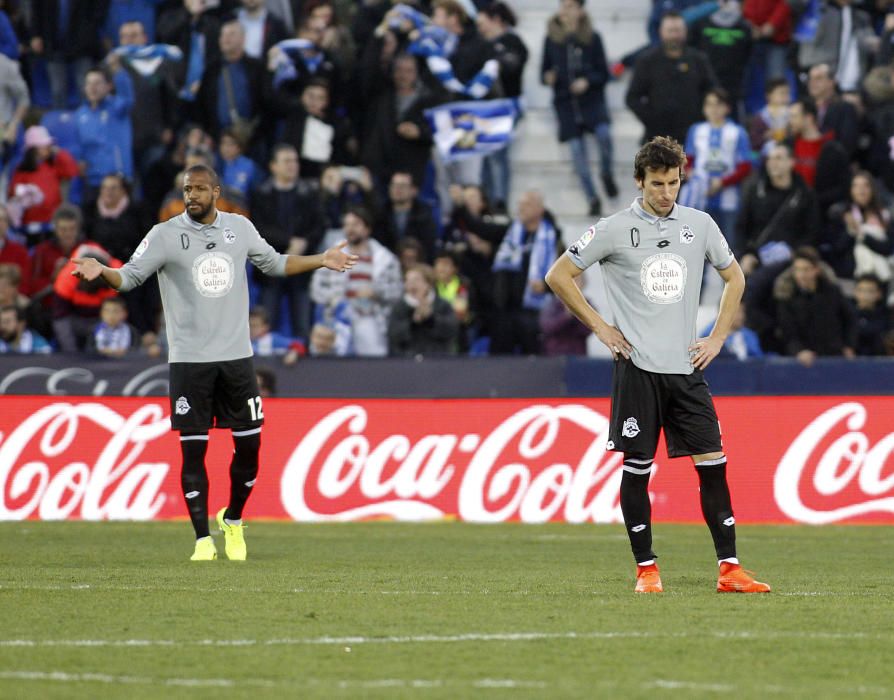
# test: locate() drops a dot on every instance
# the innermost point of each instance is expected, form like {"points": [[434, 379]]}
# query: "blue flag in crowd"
{"points": [[464, 129]]}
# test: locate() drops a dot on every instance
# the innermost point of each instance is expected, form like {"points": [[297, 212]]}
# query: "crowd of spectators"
{"points": [[314, 113]]}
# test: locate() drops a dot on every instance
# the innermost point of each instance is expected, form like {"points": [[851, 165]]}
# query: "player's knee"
{"points": [[247, 441], [193, 447], [709, 460]]}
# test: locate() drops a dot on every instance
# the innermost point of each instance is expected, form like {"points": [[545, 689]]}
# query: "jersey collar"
{"points": [[185, 219], [637, 208]]}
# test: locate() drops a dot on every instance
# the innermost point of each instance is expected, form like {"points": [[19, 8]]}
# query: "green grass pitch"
{"points": [[439, 610]]}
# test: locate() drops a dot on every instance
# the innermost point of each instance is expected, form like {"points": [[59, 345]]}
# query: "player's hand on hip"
{"points": [[615, 341], [86, 268], [337, 259], [703, 350]]}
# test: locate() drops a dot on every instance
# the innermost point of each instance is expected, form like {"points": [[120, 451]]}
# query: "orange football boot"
{"points": [[648, 580], [734, 579]]}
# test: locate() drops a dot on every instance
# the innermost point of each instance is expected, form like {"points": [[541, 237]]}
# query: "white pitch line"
{"points": [[109, 679], [665, 684], [63, 677], [441, 639], [95, 587]]}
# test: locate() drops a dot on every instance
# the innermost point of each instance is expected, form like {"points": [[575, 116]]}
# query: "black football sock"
{"points": [[717, 507], [243, 470], [194, 480], [637, 508]]}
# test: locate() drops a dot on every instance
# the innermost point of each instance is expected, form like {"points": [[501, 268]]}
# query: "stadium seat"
{"points": [[61, 125]]}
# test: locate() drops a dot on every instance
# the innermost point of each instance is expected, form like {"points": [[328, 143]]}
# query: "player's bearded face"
{"points": [[199, 195], [660, 189]]}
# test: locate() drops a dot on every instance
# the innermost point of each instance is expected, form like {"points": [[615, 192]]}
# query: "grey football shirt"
{"points": [[653, 268], [203, 282]]}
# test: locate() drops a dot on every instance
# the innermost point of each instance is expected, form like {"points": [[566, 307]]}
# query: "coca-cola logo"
{"points": [[114, 486], [508, 474], [83, 381], [849, 468]]}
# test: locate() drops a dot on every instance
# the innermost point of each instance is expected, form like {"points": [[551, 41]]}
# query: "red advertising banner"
{"points": [[806, 459]]}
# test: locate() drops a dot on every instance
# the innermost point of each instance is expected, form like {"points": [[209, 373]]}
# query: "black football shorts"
{"points": [[207, 395], [645, 402]]}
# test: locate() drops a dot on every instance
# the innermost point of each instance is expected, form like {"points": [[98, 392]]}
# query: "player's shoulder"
{"points": [[692, 216], [618, 222], [236, 222]]}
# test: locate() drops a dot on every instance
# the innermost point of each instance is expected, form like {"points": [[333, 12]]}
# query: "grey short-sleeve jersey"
{"points": [[653, 276], [203, 282]]}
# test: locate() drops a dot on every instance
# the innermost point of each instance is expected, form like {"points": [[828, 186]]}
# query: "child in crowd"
{"points": [[113, 336], [873, 318]]}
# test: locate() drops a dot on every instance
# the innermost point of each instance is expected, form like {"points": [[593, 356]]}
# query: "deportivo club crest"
{"points": [[686, 234], [229, 236], [631, 428], [181, 408]]}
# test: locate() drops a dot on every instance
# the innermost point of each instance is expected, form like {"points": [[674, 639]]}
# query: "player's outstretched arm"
{"points": [[90, 268], [560, 279], [335, 258]]}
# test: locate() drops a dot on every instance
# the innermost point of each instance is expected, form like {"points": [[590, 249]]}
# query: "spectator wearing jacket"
{"points": [[77, 302], [48, 168], [118, 223], [193, 29], [841, 25], [724, 37], [860, 238], [48, 257], [522, 260], [495, 24], [235, 88], [105, 133], [819, 157], [262, 28], [421, 322], [406, 216], [288, 214], [574, 65], [396, 133], [154, 116], [317, 134], [12, 253], [669, 83], [472, 237], [873, 316], [833, 114], [777, 207], [814, 317], [365, 294]]}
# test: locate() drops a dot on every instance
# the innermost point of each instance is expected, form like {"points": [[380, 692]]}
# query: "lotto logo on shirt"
{"points": [[663, 278], [212, 274]]}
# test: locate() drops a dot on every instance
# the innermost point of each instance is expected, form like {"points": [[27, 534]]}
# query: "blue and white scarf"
{"points": [[436, 45], [145, 60], [510, 256], [291, 51]]}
